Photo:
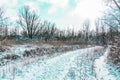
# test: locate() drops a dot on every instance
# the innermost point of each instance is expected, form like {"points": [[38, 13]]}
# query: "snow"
{"points": [[72, 65], [19, 49], [52, 69], [101, 68]]}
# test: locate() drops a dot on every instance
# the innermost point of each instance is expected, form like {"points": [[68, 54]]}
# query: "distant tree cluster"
{"points": [[31, 27]]}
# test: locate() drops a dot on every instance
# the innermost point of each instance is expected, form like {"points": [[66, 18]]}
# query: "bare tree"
{"points": [[117, 2], [112, 17], [86, 25], [97, 25], [29, 21], [3, 23]]}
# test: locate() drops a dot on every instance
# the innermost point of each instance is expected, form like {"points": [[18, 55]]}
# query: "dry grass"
{"points": [[37, 43], [59, 43], [3, 48], [98, 50], [10, 42], [7, 42]]}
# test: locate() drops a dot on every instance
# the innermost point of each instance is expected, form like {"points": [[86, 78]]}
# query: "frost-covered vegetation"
{"points": [[23, 52], [114, 55], [56, 68]]}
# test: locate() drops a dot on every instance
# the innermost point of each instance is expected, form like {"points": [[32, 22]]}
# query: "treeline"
{"points": [[30, 27]]}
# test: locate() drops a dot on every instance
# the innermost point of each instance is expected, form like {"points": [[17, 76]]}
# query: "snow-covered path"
{"points": [[101, 68], [52, 69], [63, 67]]}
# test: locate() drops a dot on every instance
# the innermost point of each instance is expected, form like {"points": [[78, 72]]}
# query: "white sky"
{"points": [[61, 12]]}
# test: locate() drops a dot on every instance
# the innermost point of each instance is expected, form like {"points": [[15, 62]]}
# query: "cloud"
{"points": [[52, 10], [33, 6], [56, 4], [73, 15], [8, 3], [88, 8], [11, 13], [85, 9], [10, 8]]}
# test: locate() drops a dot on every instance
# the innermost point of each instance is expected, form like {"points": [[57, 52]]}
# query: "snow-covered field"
{"points": [[82, 64]]}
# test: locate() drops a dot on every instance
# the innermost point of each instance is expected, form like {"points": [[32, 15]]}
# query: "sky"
{"points": [[64, 13]]}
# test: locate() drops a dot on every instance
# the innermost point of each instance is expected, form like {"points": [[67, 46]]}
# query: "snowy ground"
{"points": [[101, 68], [73, 65]]}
